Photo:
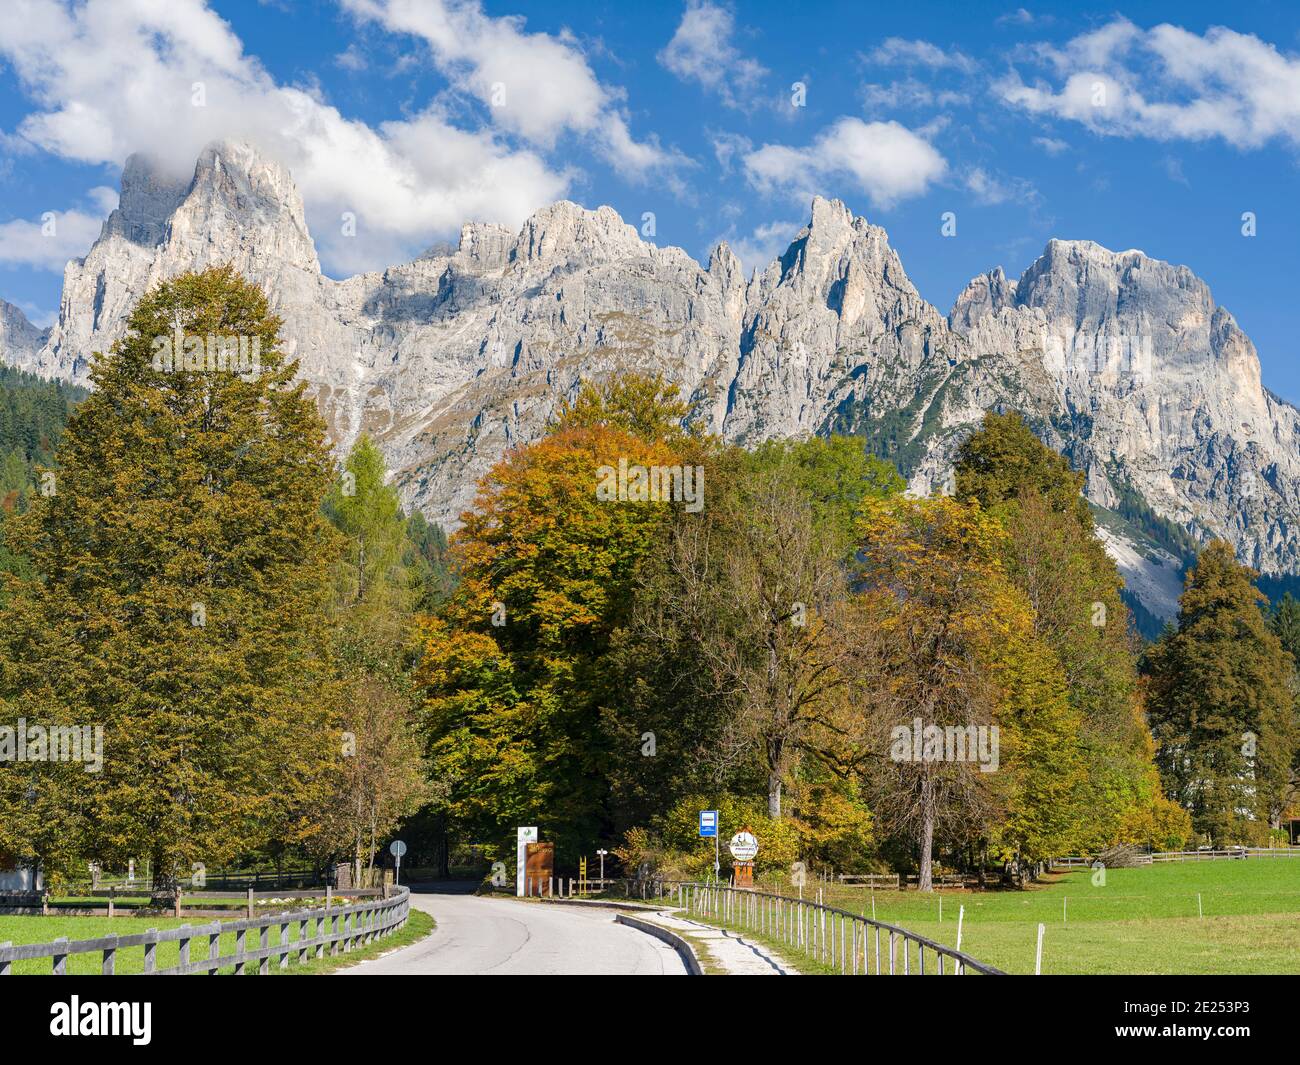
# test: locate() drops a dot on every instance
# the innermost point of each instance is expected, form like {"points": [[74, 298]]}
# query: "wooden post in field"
{"points": [[1199, 911], [961, 916], [1038, 957], [248, 909]]}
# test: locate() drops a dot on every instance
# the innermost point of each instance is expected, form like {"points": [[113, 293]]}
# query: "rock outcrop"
{"points": [[1123, 361]]}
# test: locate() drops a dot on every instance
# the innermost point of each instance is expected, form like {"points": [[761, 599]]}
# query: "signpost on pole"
{"points": [[525, 836], [397, 848], [709, 827]]}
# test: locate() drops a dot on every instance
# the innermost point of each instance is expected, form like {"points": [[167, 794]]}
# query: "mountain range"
{"points": [[1122, 362]]}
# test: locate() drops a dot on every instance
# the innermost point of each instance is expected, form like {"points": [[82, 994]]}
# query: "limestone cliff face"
{"points": [[20, 341], [1154, 384], [1123, 361]]}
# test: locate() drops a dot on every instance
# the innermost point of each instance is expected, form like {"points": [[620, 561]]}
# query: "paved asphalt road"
{"points": [[497, 936]]}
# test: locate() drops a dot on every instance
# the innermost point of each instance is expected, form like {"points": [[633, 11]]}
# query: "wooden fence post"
{"points": [[264, 962], [60, 960], [6, 967], [151, 951], [249, 908], [241, 945], [108, 962], [185, 947], [284, 944]]}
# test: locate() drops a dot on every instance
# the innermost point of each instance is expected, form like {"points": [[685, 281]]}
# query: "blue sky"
{"points": [[1155, 126]]}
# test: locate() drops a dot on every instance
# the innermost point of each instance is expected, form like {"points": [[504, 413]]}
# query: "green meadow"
{"points": [[129, 961], [1140, 921]]}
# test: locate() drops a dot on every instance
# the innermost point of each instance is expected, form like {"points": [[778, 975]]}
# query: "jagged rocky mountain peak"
{"points": [[454, 357]]}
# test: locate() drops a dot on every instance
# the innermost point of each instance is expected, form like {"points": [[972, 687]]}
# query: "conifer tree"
{"points": [[1222, 709], [182, 604], [1054, 556]]}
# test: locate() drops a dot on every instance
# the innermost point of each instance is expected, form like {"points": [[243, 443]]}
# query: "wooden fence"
{"points": [[117, 902], [837, 938], [343, 928], [1075, 861]]}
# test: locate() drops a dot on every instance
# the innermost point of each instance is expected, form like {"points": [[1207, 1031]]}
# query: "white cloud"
{"points": [[764, 244], [49, 242], [1167, 83], [910, 92], [898, 51], [38, 315], [991, 189], [1021, 17], [533, 85], [351, 59], [702, 50], [727, 146], [885, 160], [1051, 145], [111, 77]]}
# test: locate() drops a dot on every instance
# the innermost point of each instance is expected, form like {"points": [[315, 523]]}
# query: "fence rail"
{"points": [[832, 936], [196, 902], [1074, 861], [342, 928]]}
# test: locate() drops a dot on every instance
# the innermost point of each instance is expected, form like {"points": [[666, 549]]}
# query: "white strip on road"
{"points": [[497, 936]]}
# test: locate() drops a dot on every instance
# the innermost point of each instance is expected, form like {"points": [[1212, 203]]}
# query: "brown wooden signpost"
{"points": [[744, 848], [539, 866]]}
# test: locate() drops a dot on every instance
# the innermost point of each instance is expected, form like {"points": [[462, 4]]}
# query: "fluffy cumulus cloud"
{"points": [[885, 160], [899, 51], [767, 242], [112, 77], [702, 50], [1166, 83], [49, 242], [533, 85]]}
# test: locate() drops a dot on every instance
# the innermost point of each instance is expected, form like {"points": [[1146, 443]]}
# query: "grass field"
{"points": [[130, 961], [1141, 921]]}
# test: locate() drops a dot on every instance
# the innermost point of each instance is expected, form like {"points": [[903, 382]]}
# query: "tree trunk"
{"points": [[925, 881], [774, 796], [165, 884], [442, 852]]}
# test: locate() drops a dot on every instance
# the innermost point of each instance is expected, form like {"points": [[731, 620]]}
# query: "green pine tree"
{"points": [[1222, 709], [1054, 556], [182, 604]]}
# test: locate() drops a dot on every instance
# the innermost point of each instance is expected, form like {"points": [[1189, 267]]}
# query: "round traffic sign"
{"points": [[397, 848], [743, 846]]}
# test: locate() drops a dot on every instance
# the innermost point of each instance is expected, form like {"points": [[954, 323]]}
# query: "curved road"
{"points": [[478, 935]]}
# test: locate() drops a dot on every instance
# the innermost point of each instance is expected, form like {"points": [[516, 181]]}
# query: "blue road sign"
{"points": [[708, 822]]}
